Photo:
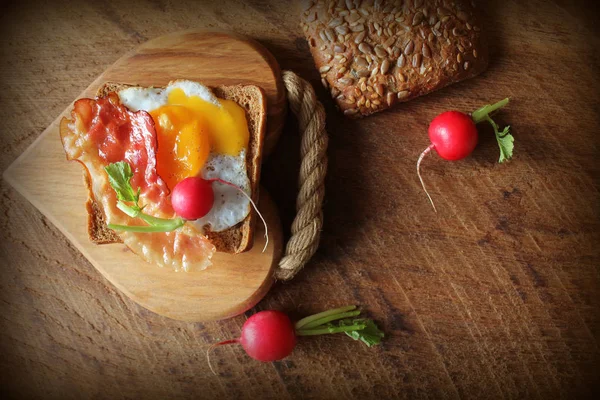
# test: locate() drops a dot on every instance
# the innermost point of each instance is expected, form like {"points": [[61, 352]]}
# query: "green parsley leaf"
{"points": [[119, 175], [370, 335]]}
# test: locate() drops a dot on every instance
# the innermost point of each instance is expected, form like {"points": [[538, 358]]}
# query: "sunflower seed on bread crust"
{"points": [[393, 51]]}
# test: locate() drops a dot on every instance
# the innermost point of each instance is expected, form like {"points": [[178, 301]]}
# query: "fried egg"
{"points": [[199, 134]]}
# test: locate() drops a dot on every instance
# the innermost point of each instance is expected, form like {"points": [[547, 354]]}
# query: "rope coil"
{"points": [[307, 225]]}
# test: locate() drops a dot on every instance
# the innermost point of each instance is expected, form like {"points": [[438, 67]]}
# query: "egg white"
{"points": [[148, 99], [230, 206]]}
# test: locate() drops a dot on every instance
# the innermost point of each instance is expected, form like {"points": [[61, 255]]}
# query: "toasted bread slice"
{"points": [[238, 238]]}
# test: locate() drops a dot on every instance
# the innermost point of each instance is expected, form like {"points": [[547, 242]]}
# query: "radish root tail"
{"points": [[253, 205], [423, 154], [212, 347]]}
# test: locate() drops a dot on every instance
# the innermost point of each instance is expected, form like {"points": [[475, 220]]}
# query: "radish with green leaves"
{"points": [[453, 136], [270, 335]]}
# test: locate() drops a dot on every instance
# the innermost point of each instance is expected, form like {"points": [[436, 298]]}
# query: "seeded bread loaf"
{"points": [[238, 238], [373, 54]]}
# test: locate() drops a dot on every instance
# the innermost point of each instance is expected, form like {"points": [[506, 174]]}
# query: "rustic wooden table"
{"points": [[497, 296]]}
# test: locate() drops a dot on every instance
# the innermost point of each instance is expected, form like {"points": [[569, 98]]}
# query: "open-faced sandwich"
{"points": [[172, 172]]}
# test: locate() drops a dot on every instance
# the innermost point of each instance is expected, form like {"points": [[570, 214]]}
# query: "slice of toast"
{"points": [[238, 238]]}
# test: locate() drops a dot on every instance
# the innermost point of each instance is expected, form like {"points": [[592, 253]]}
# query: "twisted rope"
{"points": [[306, 228]]}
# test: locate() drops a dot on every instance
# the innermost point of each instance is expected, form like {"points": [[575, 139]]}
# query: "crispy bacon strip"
{"points": [[103, 131]]}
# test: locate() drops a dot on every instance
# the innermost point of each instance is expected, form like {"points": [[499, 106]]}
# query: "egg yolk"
{"points": [[189, 128], [227, 125], [183, 143]]}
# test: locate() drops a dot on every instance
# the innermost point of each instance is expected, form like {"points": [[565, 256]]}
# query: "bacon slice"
{"points": [[103, 131]]}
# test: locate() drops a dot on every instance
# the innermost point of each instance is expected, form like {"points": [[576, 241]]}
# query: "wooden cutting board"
{"points": [[55, 186]]}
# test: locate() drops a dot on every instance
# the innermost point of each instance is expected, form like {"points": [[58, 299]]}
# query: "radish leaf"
{"points": [[369, 335], [340, 320], [505, 139], [481, 114], [506, 144]]}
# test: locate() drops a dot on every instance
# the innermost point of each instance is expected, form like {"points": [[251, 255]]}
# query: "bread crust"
{"points": [[382, 54], [238, 238]]}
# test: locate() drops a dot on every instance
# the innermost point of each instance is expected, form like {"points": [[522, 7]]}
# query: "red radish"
{"points": [[453, 136], [192, 198], [266, 336], [270, 335]]}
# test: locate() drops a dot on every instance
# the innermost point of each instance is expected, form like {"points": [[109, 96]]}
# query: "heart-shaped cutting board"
{"points": [[55, 186]]}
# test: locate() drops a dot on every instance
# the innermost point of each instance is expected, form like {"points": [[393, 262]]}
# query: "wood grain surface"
{"points": [[496, 296], [235, 282]]}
